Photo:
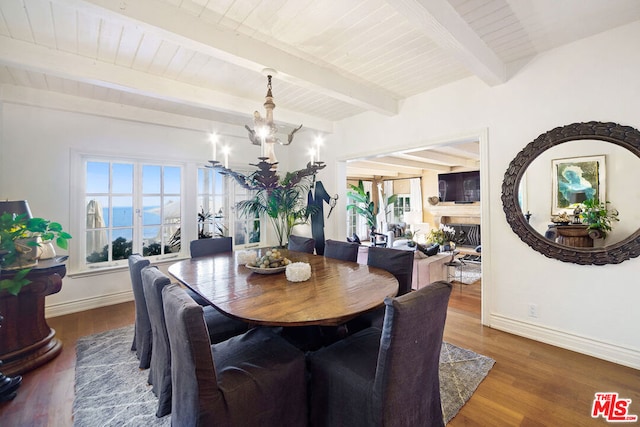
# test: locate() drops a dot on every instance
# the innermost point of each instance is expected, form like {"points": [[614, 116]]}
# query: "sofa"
{"points": [[396, 233]]}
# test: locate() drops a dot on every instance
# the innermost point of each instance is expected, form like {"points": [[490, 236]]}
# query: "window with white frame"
{"points": [[130, 206], [213, 202], [217, 197], [401, 207], [246, 229]]}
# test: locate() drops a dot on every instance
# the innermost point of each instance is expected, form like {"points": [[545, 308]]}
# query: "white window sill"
{"points": [[161, 260]]}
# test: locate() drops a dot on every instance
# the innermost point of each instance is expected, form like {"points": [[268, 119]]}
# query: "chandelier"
{"points": [[264, 134]]}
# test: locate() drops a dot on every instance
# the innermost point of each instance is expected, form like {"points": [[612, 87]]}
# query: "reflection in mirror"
{"points": [[617, 182], [594, 158]]}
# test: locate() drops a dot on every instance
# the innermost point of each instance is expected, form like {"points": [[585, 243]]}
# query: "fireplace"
{"points": [[469, 234], [464, 218]]}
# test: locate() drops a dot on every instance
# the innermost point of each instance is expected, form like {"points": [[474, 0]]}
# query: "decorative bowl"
{"points": [[260, 270]]}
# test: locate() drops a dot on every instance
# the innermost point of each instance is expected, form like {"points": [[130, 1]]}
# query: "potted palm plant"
{"points": [[362, 203], [285, 205], [364, 206]]}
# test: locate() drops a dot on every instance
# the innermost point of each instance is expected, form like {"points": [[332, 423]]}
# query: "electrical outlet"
{"points": [[533, 310]]}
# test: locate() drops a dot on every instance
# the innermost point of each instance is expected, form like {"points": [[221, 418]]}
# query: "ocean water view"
{"points": [[123, 217]]}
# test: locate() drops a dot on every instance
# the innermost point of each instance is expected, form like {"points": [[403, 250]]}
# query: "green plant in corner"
{"points": [[598, 216], [386, 202], [16, 232], [362, 203]]}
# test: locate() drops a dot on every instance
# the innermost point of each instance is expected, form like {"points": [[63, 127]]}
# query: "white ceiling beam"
{"points": [[376, 168], [58, 101], [398, 162], [36, 58], [440, 22], [174, 24], [445, 159], [355, 172]]}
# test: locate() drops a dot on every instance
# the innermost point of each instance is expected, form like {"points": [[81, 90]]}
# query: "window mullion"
{"points": [[137, 209]]}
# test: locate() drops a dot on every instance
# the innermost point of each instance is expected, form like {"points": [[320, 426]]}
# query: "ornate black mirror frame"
{"points": [[624, 136]]}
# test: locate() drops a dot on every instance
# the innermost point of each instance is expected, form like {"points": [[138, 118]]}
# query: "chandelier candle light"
{"points": [[264, 133], [282, 200]]}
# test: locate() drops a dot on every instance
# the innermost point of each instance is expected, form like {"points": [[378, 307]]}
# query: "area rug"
{"points": [[110, 390], [471, 273]]}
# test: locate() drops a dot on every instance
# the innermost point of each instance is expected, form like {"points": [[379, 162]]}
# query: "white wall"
{"points": [[591, 309]]}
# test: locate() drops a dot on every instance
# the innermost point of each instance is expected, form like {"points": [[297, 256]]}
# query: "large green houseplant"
{"points": [[365, 207], [19, 235], [597, 216], [285, 204], [362, 203]]}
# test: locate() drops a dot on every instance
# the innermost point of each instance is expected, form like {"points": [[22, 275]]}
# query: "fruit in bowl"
{"points": [[270, 259]]}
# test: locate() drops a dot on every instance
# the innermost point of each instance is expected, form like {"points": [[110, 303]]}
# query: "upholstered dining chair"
{"points": [[387, 377], [204, 247], [153, 281], [397, 262], [344, 251], [256, 379], [142, 327], [301, 244], [219, 328]]}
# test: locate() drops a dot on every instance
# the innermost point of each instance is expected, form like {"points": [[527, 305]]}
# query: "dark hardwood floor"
{"points": [[531, 384]]}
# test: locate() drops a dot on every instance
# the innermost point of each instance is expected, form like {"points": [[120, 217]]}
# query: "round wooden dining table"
{"points": [[336, 292]]}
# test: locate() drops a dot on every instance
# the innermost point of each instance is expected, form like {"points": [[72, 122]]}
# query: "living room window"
{"points": [[401, 207]]}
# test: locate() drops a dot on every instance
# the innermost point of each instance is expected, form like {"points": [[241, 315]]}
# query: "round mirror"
{"points": [[560, 171]]}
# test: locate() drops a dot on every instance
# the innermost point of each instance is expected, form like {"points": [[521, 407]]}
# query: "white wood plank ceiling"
{"points": [[203, 59]]}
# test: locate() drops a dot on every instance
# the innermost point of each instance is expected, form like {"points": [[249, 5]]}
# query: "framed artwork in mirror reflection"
{"points": [[575, 180]]}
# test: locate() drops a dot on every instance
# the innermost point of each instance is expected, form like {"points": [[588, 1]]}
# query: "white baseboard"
{"points": [[69, 307], [601, 350]]}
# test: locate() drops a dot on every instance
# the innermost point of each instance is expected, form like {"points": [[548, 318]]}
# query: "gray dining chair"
{"points": [[397, 262], [301, 244], [388, 376], [204, 247], [344, 251], [142, 327], [256, 379], [219, 328], [153, 281]]}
